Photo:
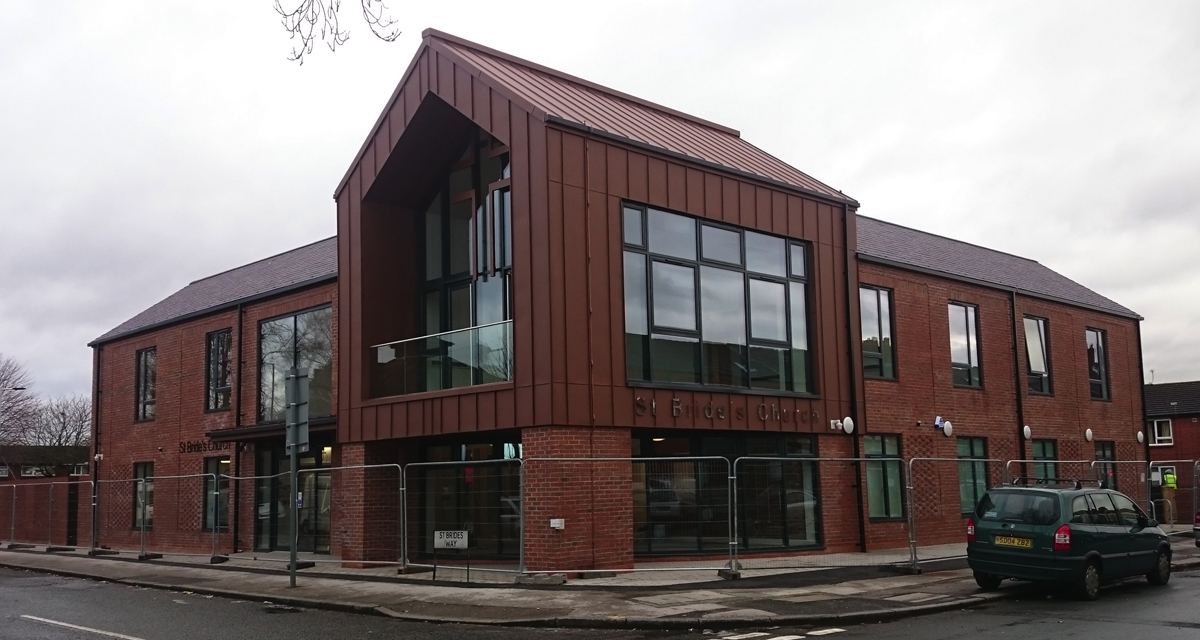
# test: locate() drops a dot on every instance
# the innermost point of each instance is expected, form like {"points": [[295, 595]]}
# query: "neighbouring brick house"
{"points": [[532, 266], [1173, 434], [50, 484]]}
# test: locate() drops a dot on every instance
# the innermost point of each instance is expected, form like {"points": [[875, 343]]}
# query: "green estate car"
{"points": [[1067, 534]]}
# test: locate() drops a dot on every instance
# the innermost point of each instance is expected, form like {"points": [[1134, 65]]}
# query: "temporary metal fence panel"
{"points": [[364, 502], [159, 515], [803, 512], [51, 514], [596, 515], [481, 497], [1169, 505], [1033, 471], [941, 494], [8, 513]]}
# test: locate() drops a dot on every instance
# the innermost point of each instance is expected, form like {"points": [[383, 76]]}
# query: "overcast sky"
{"points": [[144, 145]]}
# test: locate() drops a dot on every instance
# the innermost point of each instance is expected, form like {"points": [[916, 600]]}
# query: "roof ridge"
{"points": [[955, 240], [1164, 384], [452, 39], [271, 257]]}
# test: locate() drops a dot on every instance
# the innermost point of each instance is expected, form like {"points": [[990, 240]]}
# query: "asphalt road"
{"points": [[34, 606]]}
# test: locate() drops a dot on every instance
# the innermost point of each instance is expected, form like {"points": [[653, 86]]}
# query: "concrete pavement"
{"points": [[845, 596]]}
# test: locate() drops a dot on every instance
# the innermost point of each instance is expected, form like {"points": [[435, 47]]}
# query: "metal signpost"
{"points": [[296, 398], [450, 540]]}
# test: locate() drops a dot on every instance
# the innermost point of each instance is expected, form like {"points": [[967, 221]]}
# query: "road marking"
{"points": [[824, 632], [788, 638], [88, 629], [746, 636]]}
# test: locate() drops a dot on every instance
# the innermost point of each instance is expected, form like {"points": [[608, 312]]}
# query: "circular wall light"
{"points": [[848, 425], [1088, 435], [1027, 432], [1141, 437], [947, 428]]}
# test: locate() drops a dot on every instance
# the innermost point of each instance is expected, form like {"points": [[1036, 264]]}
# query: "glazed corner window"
{"points": [[1160, 433], [216, 497], [147, 374], [964, 346], [1097, 353], [1045, 455], [972, 476], [219, 370], [707, 304], [1037, 355], [884, 485], [301, 341], [143, 495], [875, 307]]}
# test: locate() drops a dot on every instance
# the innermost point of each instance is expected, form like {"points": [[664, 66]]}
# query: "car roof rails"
{"points": [[1075, 483]]}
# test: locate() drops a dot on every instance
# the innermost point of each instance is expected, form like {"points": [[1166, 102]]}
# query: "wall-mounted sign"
{"points": [[203, 446], [764, 412]]}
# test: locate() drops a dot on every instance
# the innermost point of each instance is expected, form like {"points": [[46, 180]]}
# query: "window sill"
{"points": [[1162, 444], [1101, 399], [885, 519], [881, 379], [1043, 394], [969, 387], [225, 410]]}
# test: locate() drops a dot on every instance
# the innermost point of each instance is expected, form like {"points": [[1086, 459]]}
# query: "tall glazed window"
{"points": [[964, 345], [1037, 355], [300, 341], [875, 307], [147, 384], [707, 304], [1097, 355], [219, 371]]}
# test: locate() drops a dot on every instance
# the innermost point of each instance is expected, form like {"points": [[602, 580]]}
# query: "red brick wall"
{"points": [[175, 440], [594, 498], [924, 389]]}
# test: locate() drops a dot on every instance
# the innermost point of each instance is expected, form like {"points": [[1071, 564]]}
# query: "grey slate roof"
{"points": [[1185, 395], [891, 243], [28, 454], [299, 267]]}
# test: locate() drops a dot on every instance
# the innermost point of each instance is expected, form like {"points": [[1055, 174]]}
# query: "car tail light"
{"points": [[1062, 538], [1197, 520], [971, 530]]}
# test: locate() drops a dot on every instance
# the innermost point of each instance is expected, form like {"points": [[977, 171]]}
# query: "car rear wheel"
{"points": [[987, 581], [1161, 574], [1088, 584]]}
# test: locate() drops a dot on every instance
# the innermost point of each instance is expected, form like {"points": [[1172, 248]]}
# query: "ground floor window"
{"points": [[681, 504], [1045, 454], [216, 493], [143, 495], [972, 476], [1106, 472], [884, 477]]}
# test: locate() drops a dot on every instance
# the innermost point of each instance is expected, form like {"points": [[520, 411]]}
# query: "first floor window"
{"points": [[1160, 433], [1045, 453], [875, 307], [220, 370], [1037, 355], [964, 345], [147, 378], [143, 495], [1097, 354], [300, 341], [884, 485], [972, 476], [216, 496], [1105, 471]]}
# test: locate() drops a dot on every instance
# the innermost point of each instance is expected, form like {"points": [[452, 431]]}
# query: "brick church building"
{"points": [[530, 266]]}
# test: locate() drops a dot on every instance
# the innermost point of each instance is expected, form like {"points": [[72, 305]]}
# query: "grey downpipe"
{"points": [[853, 378]]}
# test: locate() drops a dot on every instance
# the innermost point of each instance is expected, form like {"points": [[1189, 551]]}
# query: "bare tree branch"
{"points": [[65, 421], [18, 406], [316, 20]]}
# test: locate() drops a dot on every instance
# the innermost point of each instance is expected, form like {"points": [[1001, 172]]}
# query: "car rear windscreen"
{"points": [[1029, 507]]}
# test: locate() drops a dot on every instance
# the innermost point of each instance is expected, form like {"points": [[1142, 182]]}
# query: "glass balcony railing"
{"points": [[450, 360]]}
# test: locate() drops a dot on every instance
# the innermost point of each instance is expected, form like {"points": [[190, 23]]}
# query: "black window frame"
{"points": [[880, 292], [1099, 388], [974, 462], [973, 348], [886, 462], [332, 356], [143, 470], [213, 393], [1049, 465], [223, 490], [1044, 381], [145, 395], [792, 275], [1106, 458]]}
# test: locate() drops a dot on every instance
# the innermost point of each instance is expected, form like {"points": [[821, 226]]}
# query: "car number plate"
{"points": [[1006, 541]]}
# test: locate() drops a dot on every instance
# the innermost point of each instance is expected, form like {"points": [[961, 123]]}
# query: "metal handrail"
{"points": [[443, 333]]}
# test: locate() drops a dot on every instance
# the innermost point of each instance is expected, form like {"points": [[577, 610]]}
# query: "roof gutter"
{"points": [[993, 285]]}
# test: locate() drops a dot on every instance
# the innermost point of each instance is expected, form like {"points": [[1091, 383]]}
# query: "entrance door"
{"points": [[273, 523]]}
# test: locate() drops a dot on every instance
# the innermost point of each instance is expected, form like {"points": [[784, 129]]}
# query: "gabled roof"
{"points": [[1173, 398], [565, 100], [888, 243], [27, 454], [293, 269]]}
